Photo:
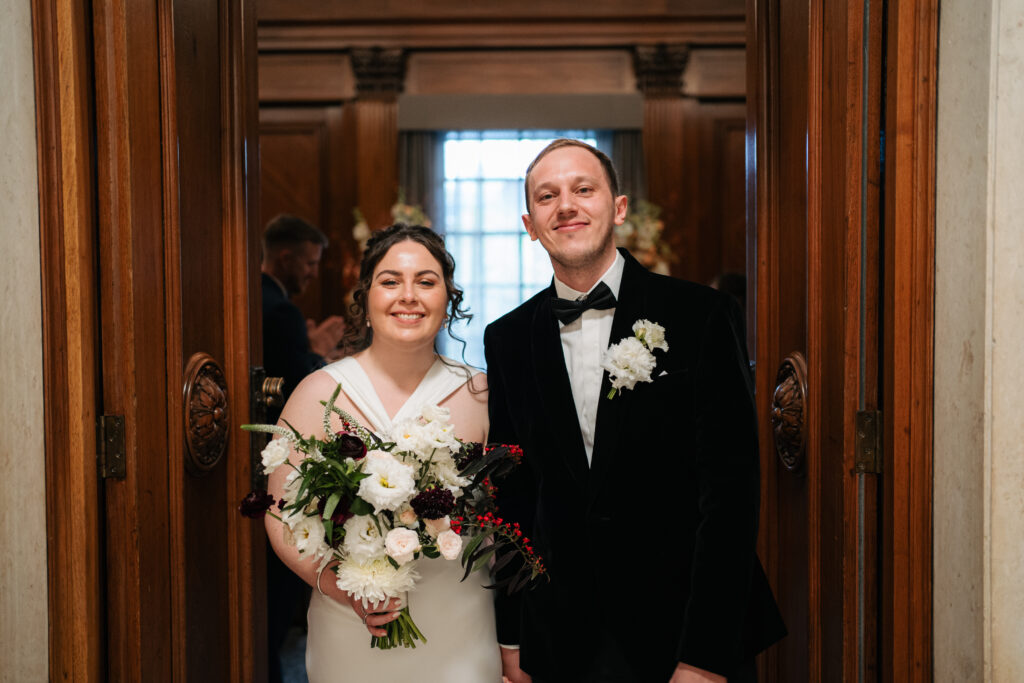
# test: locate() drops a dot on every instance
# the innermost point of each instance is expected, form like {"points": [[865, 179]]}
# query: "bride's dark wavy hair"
{"points": [[358, 336]]}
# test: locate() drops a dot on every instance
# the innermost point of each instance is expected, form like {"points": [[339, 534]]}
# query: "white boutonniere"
{"points": [[632, 359]]}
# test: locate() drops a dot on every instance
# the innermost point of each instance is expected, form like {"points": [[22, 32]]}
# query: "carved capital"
{"points": [[789, 411], [206, 414], [378, 71], [659, 69]]}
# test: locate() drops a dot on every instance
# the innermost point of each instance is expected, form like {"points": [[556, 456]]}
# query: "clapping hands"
{"points": [[324, 338]]}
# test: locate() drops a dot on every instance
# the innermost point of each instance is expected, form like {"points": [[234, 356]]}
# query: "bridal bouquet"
{"points": [[370, 509]]}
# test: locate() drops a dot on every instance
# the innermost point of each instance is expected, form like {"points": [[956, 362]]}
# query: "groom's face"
{"points": [[572, 211]]}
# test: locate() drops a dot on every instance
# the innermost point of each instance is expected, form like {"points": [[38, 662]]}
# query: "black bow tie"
{"points": [[567, 310]]}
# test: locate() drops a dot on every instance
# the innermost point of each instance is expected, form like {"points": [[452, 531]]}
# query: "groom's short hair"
{"points": [[606, 164]]}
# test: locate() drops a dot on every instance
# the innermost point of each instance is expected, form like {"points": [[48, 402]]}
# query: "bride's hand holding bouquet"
{"points": [[368, 509]]}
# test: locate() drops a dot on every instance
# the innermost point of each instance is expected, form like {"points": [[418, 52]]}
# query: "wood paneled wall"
{"points": [[334, 141]]}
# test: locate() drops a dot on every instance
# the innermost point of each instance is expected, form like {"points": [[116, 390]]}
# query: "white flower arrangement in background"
{"points": [[632, 359], [641, 232], [410, 214]]}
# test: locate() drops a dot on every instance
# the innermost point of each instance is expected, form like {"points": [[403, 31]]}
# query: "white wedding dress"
{"points": [[456, 617]]}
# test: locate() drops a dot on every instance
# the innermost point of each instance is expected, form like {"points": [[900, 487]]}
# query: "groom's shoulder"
{"points": [[685, 296]]}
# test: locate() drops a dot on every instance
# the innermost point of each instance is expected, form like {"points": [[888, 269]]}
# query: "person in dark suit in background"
{"points": [[644, 505], [293, 347]]}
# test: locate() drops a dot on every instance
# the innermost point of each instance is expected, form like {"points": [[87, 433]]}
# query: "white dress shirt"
{"points": [[584, 342]]}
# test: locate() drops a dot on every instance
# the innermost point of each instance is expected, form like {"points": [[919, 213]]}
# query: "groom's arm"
{"points": [[516, 492], [726, 460]]}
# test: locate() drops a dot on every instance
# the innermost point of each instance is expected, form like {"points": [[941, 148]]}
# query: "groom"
{"points": [[644, 506]]}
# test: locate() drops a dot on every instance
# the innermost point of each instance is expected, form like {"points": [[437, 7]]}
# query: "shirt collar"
{"points": [[612, 277]]}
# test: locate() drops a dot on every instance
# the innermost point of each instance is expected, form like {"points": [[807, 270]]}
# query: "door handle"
{"points": [[271, 392]]}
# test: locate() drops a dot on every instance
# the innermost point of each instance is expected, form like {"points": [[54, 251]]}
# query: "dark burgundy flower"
{"points": [[256, 504], [350, 446], [433, 503]]}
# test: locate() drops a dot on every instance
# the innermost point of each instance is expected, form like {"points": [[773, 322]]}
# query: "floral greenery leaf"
{"points": [[331, 504], [490, 457], [504, 558], [431, 552], [467, 552], [360, 507], [483, 557], [394, 563]]}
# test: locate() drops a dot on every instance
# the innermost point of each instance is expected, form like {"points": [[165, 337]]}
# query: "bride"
{"points": [[405, 295]]}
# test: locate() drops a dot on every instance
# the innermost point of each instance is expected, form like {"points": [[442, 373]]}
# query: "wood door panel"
{"points": [[306, 167]]}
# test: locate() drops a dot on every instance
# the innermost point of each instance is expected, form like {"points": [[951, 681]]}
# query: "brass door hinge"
{"points": [[111, 447], [869, 442]]}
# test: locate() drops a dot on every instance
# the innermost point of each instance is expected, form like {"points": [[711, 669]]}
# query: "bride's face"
{"points": [[407, 298]]}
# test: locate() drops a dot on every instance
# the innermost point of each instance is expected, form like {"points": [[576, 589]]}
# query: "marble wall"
{"points": [[23, 614], [979, 364]]}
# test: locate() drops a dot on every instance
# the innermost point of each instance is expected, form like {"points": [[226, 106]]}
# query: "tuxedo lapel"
{"points": [[611, 413], [555, 391]]}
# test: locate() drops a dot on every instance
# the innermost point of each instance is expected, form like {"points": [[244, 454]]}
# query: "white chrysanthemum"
{"points": [[308, 534], [652, 335], [376, 580], [275, 454], [628, 362], [390, 483], [363, 541], [402, 544]]}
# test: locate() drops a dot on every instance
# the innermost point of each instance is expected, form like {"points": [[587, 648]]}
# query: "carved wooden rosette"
{"points": [[206, 414], [788, 405]]}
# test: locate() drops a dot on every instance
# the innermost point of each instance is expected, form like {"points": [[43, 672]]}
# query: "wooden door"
{"points": [[176, 191], [813, 200], [841, 251]]}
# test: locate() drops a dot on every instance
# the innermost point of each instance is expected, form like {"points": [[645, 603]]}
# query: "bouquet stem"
{"points": [[401, 632]]}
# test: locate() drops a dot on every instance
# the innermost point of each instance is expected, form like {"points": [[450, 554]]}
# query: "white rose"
{"points": [[401, 544], [406, 515], [436, 526], [651, 334], [450, 544], [275, 454]]}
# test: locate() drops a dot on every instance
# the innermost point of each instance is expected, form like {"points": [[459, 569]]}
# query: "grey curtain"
{"points": [[625, 147], [421, 172]]}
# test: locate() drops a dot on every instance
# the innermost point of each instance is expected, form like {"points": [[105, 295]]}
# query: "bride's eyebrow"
{"points": [[395, 273]]}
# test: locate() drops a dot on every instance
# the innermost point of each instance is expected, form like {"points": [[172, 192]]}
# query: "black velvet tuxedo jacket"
{"points": [[286, 350], [653, 544]]}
